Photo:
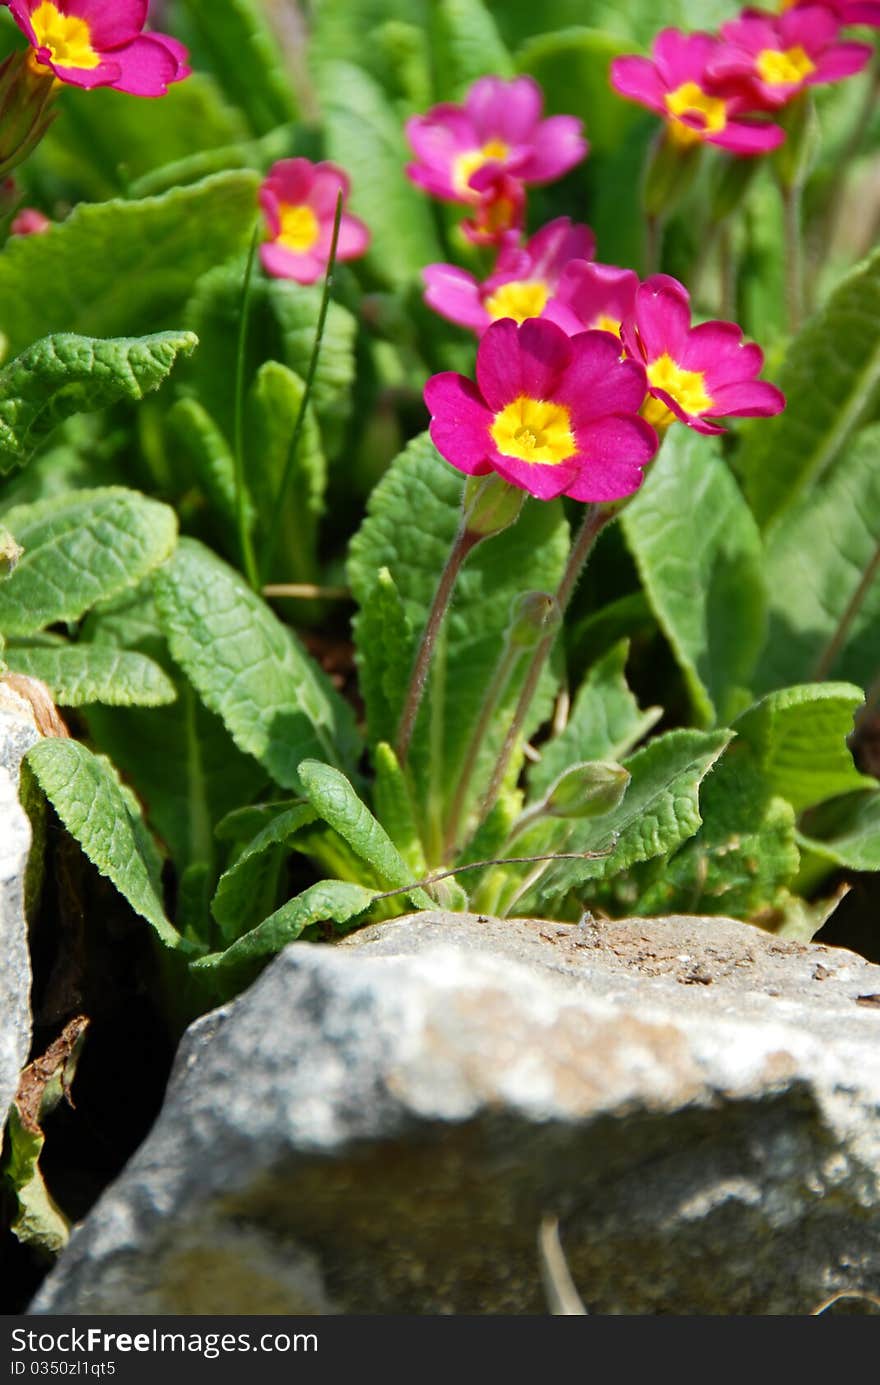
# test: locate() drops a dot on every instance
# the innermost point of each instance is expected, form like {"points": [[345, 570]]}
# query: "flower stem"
{"points": [[495, 691], [728, 272], [792, 205], [464, 541], [653, 243], [594, 522], [278, 510], [244, 534], [844, 625]]}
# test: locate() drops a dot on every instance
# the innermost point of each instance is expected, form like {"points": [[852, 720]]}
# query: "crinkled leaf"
{"points": [[122, 266], [83, 673], [249, 669], [333, 799], [818, 556], [831, 379], [81, 548], [66, 374], [605, 722], [698, 552], [363, 133], [241, 47], [241, 889], [798, 737], [384, 653], [334, 901], [86, 794], [211, 456], [394, 809]]}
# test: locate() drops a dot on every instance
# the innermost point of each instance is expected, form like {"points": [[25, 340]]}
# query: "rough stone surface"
{"points": [[379, 1127], [18, 733]]}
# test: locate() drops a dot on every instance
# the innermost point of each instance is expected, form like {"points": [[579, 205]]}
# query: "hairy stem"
{"points": [[244, 534], [844, 625]]}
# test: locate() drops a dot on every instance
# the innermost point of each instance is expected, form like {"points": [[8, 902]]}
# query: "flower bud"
{"points": [[490, 505], [26, 92], [589, 790], [795, 160], [532, 616], [670, 171]]}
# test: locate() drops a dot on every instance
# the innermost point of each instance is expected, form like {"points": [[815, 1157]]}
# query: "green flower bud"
{"points": [[532, 616], [490, 505], [670, 170], [589, 790], [26, 94]]}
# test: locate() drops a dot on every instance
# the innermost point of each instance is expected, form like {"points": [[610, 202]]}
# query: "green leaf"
{"points": [[831, 379], [660, 811], [81, 548], [210, 454], [384, 653], [334, 800], [605, 723], [573, 68], [798, 736], [250, 669], [394, 809], [699, 556], [241, 47], [83, 673], [38, 1220], [364, 134], [818, 555], [273, 406], [241, 890], [65, 374], [122, 266], [465, 44], [846, 832], [412, 518], [334, 901], [86, 794]]}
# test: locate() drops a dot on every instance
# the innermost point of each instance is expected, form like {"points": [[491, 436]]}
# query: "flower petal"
{"points": [[663, 316], [504, 110], [460, 423], [282, 263], [597, 382], [543, 482], [455, 294], [110, 25], [747, 399], [557, 145], [639, 80], [742, 137], [146, 67]]}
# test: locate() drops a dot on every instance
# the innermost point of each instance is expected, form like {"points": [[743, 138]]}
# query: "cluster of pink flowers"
{"points": [[722, 89]]}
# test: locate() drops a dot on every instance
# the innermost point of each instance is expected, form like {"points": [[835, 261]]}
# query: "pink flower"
{"points": [[674, 83], [847, 11], [100, 43], [29, 222], [299, 202], [695, 374], [498, 129], [522, 284], [593, 297], [551, 414], [500, 206], [772, 58]]}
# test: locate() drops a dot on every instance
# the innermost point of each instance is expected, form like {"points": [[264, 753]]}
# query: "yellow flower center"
{"points": [[466, 165], [780, 68], [687, 388], [300, 228], [604, 323], [67, 37], [520, 299], [690, 99], [534, 430]]}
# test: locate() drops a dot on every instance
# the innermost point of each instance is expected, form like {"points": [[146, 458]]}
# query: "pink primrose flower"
{"points": [[499, 129], [298, 199], [522, 283], [593, 297], [772, 58], [551, 414], [100, 43], [29, 222], [695, 374], [674, 83], [500, 206], [847, 11]]}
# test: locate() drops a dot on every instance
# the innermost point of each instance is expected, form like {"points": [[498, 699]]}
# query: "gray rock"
{"points": [[18, 732], [381, 1126]]}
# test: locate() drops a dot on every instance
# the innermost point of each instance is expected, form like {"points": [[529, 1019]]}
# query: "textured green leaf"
{"points": [[334, 800], [831, 379], [798, 736], [660, 811], [210, 454], [384, 653], [605, 723], [82, 673], [394, 809], [242, 888], [364, 134], [244, 52], [122, 266], [85, 793], [335, 901], [698, 552], [273, 406], [81, 548], [249, 668], [818, 555], [465, 44], [846, 832], [10, 552], [412, 519], [66, 374]]}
